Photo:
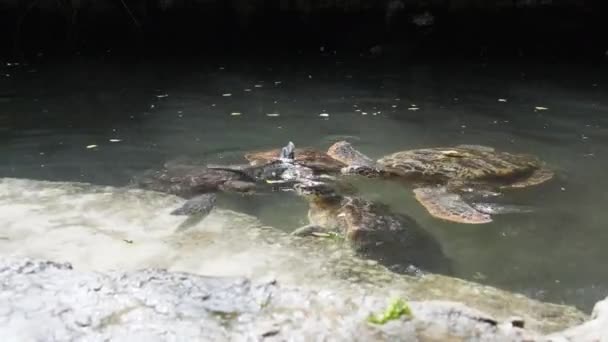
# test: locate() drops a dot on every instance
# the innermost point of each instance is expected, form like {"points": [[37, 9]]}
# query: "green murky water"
{"points": [[141, 115]]}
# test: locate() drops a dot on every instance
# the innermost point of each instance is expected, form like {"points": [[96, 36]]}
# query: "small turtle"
{"points": [[393, 239], [286, 168], [313, 159], [442, 175]]}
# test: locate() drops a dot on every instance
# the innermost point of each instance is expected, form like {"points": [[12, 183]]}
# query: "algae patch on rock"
{"points": [[395, 310]]}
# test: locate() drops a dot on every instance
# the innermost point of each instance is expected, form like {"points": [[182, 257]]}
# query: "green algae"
{"points": [[395, 310]]}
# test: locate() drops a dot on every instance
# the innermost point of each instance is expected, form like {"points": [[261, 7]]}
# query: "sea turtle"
{"points": [[311, 158], [198, 184], [395, 240], [289, 165], [442, 175]]}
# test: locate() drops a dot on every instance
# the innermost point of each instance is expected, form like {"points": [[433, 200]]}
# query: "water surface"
{"points": [[141, 115]]}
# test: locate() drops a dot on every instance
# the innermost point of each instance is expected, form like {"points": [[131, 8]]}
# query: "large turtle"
{"points": [[394, 240], [442, 174]]}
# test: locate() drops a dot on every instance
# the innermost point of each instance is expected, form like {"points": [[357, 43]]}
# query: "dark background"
{"points": [[508, 29]]}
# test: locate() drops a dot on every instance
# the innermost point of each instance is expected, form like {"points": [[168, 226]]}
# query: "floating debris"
{"points": [[413, 108], [235, 114], [226, 94], [272, 114], [363, 113], [394, 106], [221, 68], [324, 115], [357, 110], [152, 106], [91, 146], [247, 89], [257, 85], [540, 108], [160, 96], [115, 140], [502, 100], [277, 82]]}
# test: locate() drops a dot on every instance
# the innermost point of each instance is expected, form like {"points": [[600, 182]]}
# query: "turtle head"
{"points": [[288, 152]]}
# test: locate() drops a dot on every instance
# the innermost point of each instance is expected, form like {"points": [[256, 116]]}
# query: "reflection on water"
{"points": [[139, 116]]}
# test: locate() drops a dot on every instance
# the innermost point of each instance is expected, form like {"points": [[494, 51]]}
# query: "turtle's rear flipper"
{"points": [[449, 206]]}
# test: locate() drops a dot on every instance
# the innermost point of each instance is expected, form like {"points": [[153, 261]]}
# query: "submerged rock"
{"points": [[105, 229]]}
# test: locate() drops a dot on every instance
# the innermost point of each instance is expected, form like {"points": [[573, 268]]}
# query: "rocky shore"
{"points": [[131, 277], [44, 300]]}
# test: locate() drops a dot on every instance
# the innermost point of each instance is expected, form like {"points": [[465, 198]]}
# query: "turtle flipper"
{"points": [[200, 205], [498, 209], [196, 208], [308, 230], [449, 206]]}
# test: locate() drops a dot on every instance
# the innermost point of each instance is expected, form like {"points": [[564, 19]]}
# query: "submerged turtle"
{"points": [[442, 174], [198, 184], [394, 240]]}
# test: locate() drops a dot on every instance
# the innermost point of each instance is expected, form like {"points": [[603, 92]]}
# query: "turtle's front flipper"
{"points": [[449, 206], [196, 208], [309, 230], [498, 209], [199, 205]]}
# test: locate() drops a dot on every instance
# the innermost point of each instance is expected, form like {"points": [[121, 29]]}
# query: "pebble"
{"points": [[502, 100], [226, 94], [235, 114], [541, 108], [91, 146], [115, 140], [413, 108], [272, 114], [324, 115]]}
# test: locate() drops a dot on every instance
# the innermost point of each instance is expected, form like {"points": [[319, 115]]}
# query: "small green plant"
{"points": [[396, 309]]}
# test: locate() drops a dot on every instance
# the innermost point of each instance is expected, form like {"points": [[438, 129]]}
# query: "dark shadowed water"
{"points": [[141, 115]]}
